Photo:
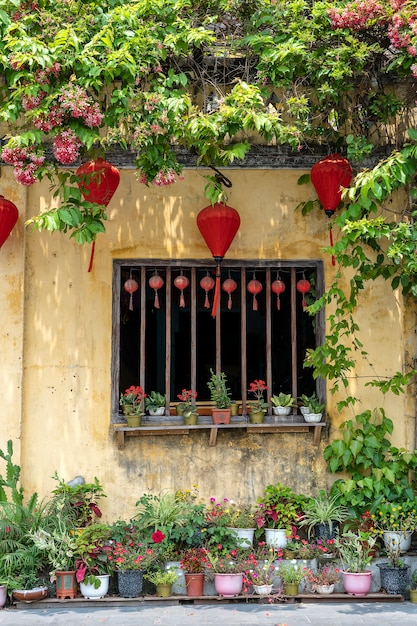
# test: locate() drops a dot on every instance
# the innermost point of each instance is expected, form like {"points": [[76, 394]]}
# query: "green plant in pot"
{"points": [[188, 407], [79, 503], [322, 515], [282, 403], [132, 402], [220, 395], [92, 554], [354, 550], [258, 407], [163, 579], [292, 574], [279, 509], [155, 403]]}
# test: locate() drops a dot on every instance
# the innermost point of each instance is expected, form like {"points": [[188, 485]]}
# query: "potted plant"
{"points": [[282, 404], [131, 558], [58, 543], [322, 515], [132, 403], [354, 550], [155, 403], [279, 509], [324, 579], [394, 573], [413, 589], [163, 579], [220, 396], [257, 408], [227, 568], [313, 409], [193, 562], [292, 574], [240, 519], [397, 521], [188, 408], [261, 570], [93, 560], [77, 502]]}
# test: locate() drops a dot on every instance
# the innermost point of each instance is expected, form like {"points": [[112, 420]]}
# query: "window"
{"points": [[261, 336]]}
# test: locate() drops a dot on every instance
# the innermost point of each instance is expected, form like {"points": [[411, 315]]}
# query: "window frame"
{"points": [[145, 264]]}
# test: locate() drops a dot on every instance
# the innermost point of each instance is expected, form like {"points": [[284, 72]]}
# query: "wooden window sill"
{"points": [[174, 427]]}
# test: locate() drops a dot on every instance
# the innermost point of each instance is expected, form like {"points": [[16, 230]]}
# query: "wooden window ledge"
{"points": [[164, 426]]}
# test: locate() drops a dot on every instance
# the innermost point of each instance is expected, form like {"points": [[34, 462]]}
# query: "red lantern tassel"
{"points": [[216, 293], [131, 302], [331, 243], [90, 267], [278, 303], [255, 303], [206, 301], [182, 300], [229, 302], [156, 300]]}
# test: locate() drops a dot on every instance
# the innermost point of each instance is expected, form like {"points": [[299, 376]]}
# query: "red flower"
{"points": [[158, 536]]}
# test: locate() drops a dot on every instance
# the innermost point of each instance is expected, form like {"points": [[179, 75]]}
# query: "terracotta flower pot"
{"points": [[194, 584]]}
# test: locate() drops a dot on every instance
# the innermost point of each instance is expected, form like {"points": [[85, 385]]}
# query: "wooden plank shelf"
{"points": [[122, 431]]}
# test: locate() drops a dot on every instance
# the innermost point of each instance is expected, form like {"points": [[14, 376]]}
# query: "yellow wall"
{"points": [[56, 343]]}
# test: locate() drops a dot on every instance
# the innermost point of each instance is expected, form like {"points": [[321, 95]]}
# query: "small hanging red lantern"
{"points": [[98, 181], [229, 286], [254, 287], [303, 286], [207, 283], [8, 218], [131, 286], [156, 282], [218, 225], [329, 176], [278, 287], [181, 282]]}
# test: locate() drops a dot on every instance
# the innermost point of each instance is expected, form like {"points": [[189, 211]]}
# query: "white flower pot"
{"points": [[394, 538], [91, 593], [281, 410], [325, 589], [276, 537], [312, 418], [159, 411], [304, 410], [244, 537], [263, 590]]}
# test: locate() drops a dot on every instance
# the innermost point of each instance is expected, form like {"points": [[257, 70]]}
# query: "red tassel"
{"points": [[278, 303], [229, 301], [216, 293], [182, 300], [131, 302], [331, 243], [90, 267], [156, 301], [304, 303], [206, 302], [255, 303]]}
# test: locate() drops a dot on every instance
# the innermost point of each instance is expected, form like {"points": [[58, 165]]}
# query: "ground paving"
{"points": [[300, 614]]}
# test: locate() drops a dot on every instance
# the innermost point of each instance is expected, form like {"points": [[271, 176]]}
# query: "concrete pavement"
{"points": [[161, 614]]}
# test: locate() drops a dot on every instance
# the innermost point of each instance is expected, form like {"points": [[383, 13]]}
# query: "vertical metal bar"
{"points": [[142, 339], [243, 335], [294, 390], [268, 342], [193, 310], [168, 333]]}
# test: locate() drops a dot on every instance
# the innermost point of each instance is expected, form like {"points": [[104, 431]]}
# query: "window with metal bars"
{"points": [[166, 338]]}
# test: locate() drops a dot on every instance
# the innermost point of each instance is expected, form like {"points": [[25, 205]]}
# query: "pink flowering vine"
{"points": [[66, 147]]}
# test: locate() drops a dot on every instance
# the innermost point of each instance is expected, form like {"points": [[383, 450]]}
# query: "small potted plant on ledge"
{"points": [[227, 570], [92, 563], [323, 580], [155, 403], [220, 396], [312, 409], [132, 403], [258, 408], [188, 407], [292, 574], [193, 562], [282, 404]]}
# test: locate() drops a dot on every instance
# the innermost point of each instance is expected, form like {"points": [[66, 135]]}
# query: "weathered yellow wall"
{"points": [[56, 343]]}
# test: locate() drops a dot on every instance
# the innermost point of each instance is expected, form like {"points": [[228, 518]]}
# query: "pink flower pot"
{"points": [[357, 584]]}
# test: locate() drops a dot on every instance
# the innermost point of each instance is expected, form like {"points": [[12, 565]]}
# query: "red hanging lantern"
{"points": [[329, 176], [156, 282], [207, 283], [8, 218], [229, 286], [181, 282], [278, 287], [131, 286], [218, 225], [303, 286], [98, 180], [254, 287]]}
